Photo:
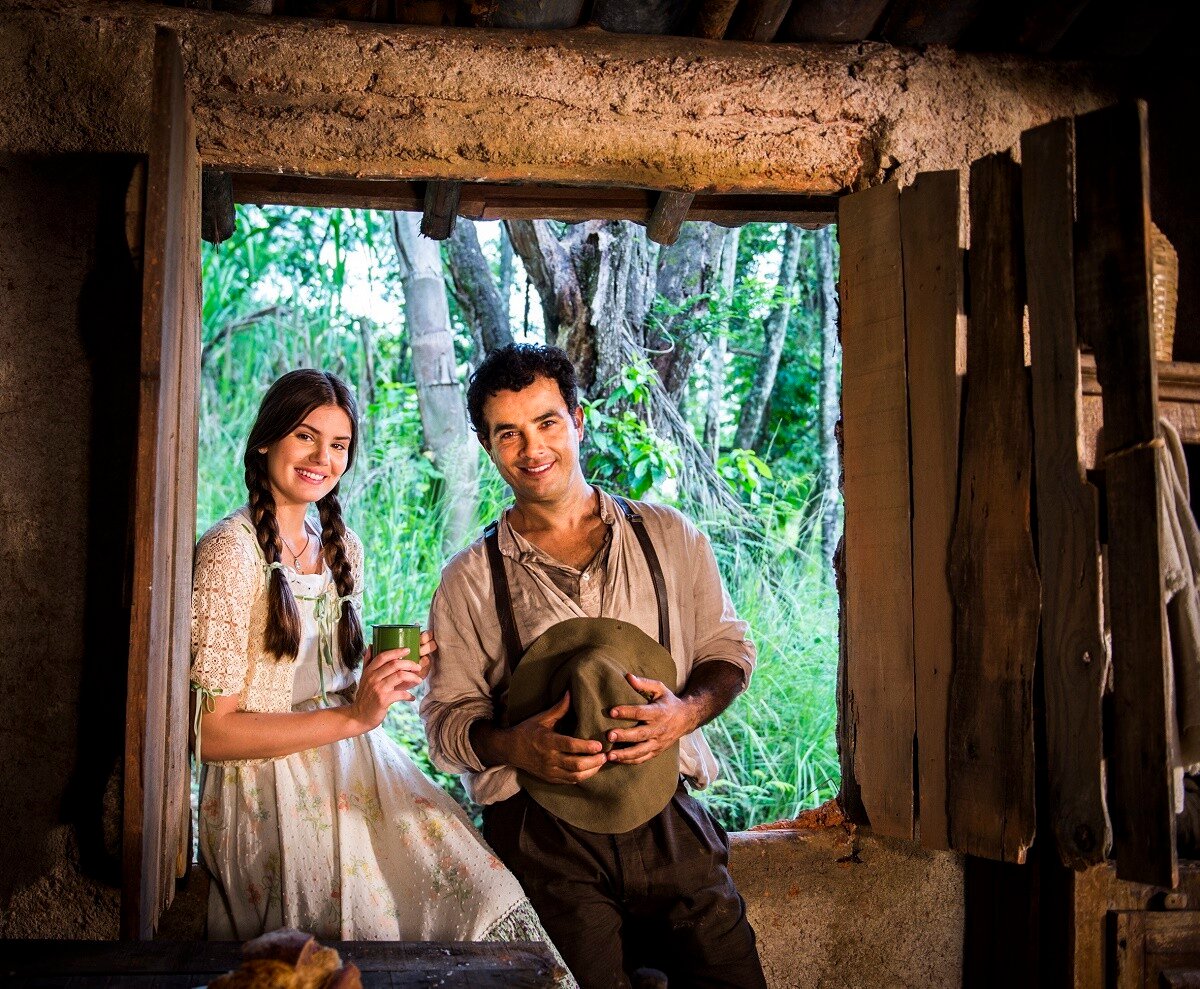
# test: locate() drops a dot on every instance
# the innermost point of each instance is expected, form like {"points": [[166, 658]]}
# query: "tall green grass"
{"points": [[775, 744]]}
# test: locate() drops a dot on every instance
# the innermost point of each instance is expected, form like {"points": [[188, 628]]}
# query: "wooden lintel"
{"points": [[519, 106], [670, 210], [441, 209], [489, 201]]}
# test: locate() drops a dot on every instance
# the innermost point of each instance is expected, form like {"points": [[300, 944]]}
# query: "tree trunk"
{"points": [[475, 288], [439, 394], [831, 353], [507, 269], [774, 334], [620, 296], [549, 266], [594, 287], [716, 369], [687, 271]]}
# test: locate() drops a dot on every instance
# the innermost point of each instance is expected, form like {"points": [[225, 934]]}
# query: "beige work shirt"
{"points": [[470, 668]]}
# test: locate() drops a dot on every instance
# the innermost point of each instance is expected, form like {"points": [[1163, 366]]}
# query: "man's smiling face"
{"points": [[534, 440]]}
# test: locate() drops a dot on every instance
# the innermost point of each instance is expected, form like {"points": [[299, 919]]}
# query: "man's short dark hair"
{"points": [[514, 367]]}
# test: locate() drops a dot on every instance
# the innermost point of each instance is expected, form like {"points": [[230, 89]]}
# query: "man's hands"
{"points": [[665, 719], [541, 751], [535, 747]]}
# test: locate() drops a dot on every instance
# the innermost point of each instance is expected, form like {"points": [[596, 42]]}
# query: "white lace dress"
{"points": [[349, 841]]}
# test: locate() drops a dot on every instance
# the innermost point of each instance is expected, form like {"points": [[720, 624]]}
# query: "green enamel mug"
{"points": [[384, 637]]}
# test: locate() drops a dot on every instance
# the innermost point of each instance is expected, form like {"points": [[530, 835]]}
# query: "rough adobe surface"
{"points": [[581, 106], [835, 908]]}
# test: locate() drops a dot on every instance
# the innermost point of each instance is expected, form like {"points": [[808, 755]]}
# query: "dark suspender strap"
{"points": [[504, 608], [656, 574]]}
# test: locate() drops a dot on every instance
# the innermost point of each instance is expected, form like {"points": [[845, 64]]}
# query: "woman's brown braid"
{"points": [[283, 617], [333, 538]]}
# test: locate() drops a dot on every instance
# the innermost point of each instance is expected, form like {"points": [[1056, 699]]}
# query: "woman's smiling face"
{"points": [[306, 464]]}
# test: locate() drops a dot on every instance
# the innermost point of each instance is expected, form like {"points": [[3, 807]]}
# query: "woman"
{"points": [[309, 817]]}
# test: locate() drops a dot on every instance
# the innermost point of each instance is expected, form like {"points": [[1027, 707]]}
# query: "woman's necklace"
{"points": [[304, 549]]}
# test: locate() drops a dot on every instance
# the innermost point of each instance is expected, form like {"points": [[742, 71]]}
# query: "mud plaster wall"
{"points": [[345, 99], [62, 324]]}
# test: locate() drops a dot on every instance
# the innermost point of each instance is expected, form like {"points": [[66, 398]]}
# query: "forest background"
{"points": [[710, 376]]}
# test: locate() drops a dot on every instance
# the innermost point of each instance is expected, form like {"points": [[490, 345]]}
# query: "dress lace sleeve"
{"points": [[224, 583], [354, 553]]}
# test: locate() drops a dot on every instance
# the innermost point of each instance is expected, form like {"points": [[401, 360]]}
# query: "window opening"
{"points": [[722, 401]]}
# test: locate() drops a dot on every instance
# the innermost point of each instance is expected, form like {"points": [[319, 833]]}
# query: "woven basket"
{"points": [[1164, 291]]}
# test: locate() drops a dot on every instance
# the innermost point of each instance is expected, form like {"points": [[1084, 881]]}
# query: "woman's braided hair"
{"points": [[287, 402]]}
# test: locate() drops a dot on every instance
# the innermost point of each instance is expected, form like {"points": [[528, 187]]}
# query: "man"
{"points": [[659, 895]]}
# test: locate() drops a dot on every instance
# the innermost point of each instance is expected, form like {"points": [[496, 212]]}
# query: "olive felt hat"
{"points": [[590, 657]]}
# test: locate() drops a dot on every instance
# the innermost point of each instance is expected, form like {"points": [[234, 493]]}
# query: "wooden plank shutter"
{"points": [[156, 787], [1074, 652], [929, 223], [1112, 289], [877, 717], [993, 573]]}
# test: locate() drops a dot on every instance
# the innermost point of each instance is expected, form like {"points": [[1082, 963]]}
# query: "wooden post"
{"points": [[877, 714], [156, 789], [993, 573], [670, 210], [1074, 653], [441, 209], [1112, 291], [929, 211]]}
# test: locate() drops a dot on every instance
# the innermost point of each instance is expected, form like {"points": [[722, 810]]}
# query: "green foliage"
{"points": [[626, 454], [745, 472], [285, 292]]}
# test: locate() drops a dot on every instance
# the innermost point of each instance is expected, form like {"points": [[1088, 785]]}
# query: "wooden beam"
{"points": [[1074, 652], [1047, 23], [528, 15], [929, 213], [670, 210], [930, 22], [992, 566], [189, 963], [486, 201], [833, 20], [441, 209], [217, 216], [877, 704], [1112, 291], [524, 106], [641, 16], [757, 20], [712, 18]]}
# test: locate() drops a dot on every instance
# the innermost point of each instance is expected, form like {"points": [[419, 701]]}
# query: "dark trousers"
{"points": [[659, 896]]}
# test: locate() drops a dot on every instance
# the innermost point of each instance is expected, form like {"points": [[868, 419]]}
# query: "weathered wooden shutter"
{"points": [[902, 346], [1074, 653], [937, 702], [1112, 288], [156, 800]]}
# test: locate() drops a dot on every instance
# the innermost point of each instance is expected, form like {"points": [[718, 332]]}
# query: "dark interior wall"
{"points": [[68, 389], [1171, 87]]}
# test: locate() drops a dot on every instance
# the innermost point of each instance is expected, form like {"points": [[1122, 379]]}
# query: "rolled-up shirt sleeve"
{"points": [[459, 686], [720, 634]]}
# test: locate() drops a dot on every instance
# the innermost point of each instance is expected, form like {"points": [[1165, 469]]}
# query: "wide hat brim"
{"points": [[592, 654]]}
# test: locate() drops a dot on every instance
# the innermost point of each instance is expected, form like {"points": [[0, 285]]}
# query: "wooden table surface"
{"points": [[185, 964]]}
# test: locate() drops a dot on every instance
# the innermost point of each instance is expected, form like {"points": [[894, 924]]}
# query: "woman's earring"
{"points": [[262, 450]]}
